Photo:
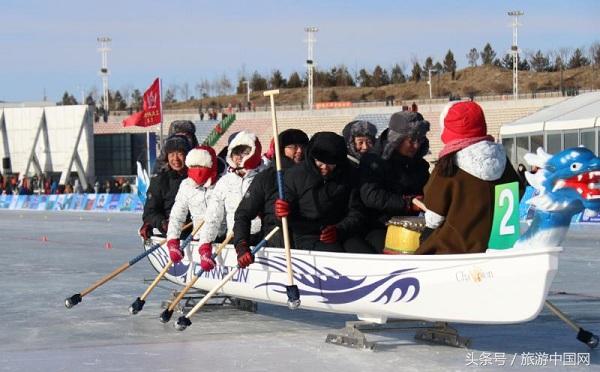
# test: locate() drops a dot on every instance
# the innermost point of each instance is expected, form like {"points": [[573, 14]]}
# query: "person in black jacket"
{"points": [[390, 182], [164, 186], [322, 200], [180, 127], [261, 195]]}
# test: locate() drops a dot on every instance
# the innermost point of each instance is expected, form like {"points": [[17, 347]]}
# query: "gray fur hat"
{"points": [[358, 128], [182, 126], [405, 124]]}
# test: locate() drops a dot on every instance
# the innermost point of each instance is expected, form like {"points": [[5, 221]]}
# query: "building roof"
{"points": [[578, 112]]}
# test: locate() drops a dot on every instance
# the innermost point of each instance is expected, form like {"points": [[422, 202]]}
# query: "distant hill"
{"points": [[471, 81]]}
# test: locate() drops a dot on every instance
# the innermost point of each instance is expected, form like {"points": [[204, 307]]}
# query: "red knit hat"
{"points": [[463, 124]]}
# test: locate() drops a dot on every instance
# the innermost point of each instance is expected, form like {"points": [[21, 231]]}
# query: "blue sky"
{"points": [[52, 45]]}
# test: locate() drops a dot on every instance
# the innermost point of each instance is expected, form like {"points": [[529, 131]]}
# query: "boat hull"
{"points": [[497, 287]]}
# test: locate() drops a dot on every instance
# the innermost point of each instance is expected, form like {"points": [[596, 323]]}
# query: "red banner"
{"points": [[150, 114], [330, 105]]}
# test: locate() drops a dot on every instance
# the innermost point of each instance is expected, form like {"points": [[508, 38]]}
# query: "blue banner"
{"points": [[73, 202]]}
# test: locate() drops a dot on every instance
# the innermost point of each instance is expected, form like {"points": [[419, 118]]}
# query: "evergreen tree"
{"points": [[343, 78], [136, 100], [257, 82], [428, 64], [364, 78], [277, 80], [90, 101], [118, 103], [241, 86], [487, 55], [397, 75], [450, 63], [438, 66], [377, 80], [472, 57], [416, 72], [578, 59], [294, 80], [539, 62], [68, 99]]}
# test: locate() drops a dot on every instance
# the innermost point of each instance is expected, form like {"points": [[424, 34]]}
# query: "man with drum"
{"points": [[389, 182]]}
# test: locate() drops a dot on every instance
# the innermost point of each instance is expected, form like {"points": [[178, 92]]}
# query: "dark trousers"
{"points": [[376, 240]]}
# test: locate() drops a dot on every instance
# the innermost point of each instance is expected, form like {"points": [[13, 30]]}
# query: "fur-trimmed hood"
{"points": [[485, 160], [252, 160]]}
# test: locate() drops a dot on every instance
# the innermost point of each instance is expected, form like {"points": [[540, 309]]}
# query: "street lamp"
{"points": [[515, 51], [429, 71], [247, 90]]}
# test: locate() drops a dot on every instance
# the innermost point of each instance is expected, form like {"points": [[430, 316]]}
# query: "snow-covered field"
{"points": [[49, 256]]}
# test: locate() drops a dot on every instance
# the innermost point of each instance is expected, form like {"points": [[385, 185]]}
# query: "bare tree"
{"points": [[472, 57], [185, 91], [595, 53]]}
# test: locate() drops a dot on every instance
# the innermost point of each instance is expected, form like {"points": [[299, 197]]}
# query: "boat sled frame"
{"points": [[354, 334]]}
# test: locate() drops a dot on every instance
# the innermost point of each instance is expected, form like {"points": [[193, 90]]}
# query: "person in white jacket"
{"points": [[244, 160], [193, 195]]}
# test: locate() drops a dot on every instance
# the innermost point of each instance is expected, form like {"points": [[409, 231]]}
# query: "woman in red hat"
{"points": [[460, 192]]}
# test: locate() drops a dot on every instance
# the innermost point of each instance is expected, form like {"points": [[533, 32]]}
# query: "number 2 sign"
{"points": [[505, 228]]}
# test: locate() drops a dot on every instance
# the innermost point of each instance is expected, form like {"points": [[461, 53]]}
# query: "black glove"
{"points": [[427, 231]]}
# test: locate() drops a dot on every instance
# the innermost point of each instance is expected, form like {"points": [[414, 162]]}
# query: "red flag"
{"points": [[151, 109]]}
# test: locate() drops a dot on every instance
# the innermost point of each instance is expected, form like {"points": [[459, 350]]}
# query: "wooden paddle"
{"points": [[184, 321], [292, 290], [76, 298], [139, 302], [165, 316]]}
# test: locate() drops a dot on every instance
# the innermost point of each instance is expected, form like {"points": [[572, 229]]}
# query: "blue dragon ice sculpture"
{"points": [[568, 183]]}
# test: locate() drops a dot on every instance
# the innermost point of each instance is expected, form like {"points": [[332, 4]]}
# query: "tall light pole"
{"points": [[310, 40], [247, 90], [429, 71], [104, 49], [515, 51]]}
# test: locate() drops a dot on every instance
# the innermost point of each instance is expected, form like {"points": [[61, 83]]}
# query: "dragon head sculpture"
{"points": [[567, 183]]}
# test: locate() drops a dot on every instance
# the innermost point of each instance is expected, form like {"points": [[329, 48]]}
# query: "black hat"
{"points": [[292, 137], [328, 147], [177, 142], [404, 124]]}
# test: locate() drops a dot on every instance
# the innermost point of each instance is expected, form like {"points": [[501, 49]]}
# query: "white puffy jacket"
{"points": [[190, 197], [223, 203]]}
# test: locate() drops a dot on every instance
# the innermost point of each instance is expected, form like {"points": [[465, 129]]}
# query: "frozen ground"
{"points": [[38, 333]]}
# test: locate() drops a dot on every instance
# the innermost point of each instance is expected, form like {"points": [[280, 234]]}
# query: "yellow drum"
{"points": [[403, 234]]}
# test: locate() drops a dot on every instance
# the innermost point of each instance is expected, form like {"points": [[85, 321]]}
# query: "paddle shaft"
{"points": [[228, 277], [284, 222], [168, 265], [125, 266], [195, 278]]}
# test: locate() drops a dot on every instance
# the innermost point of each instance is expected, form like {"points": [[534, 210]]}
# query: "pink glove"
{"points": [[175, 251], [328, 234], [206, 261], [282, 208]]}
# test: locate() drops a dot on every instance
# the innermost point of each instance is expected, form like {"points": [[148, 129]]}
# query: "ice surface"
{"points": [[39, 334]]}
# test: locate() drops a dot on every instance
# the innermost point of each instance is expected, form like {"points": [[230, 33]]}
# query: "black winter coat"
{"points": [[385, 183], [161, 197], [316, 202], [259, 200]]}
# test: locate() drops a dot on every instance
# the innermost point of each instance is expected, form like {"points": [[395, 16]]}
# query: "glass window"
{"points": [[588, 140], [522, 149], [537, 140], [553, 143], [509, 147], [571, 139]]}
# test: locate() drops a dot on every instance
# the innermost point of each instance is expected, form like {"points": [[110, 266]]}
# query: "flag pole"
{"points": [[161, 113]]}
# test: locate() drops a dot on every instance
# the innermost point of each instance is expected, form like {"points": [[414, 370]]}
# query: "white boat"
{"points": [[497, 287]]}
